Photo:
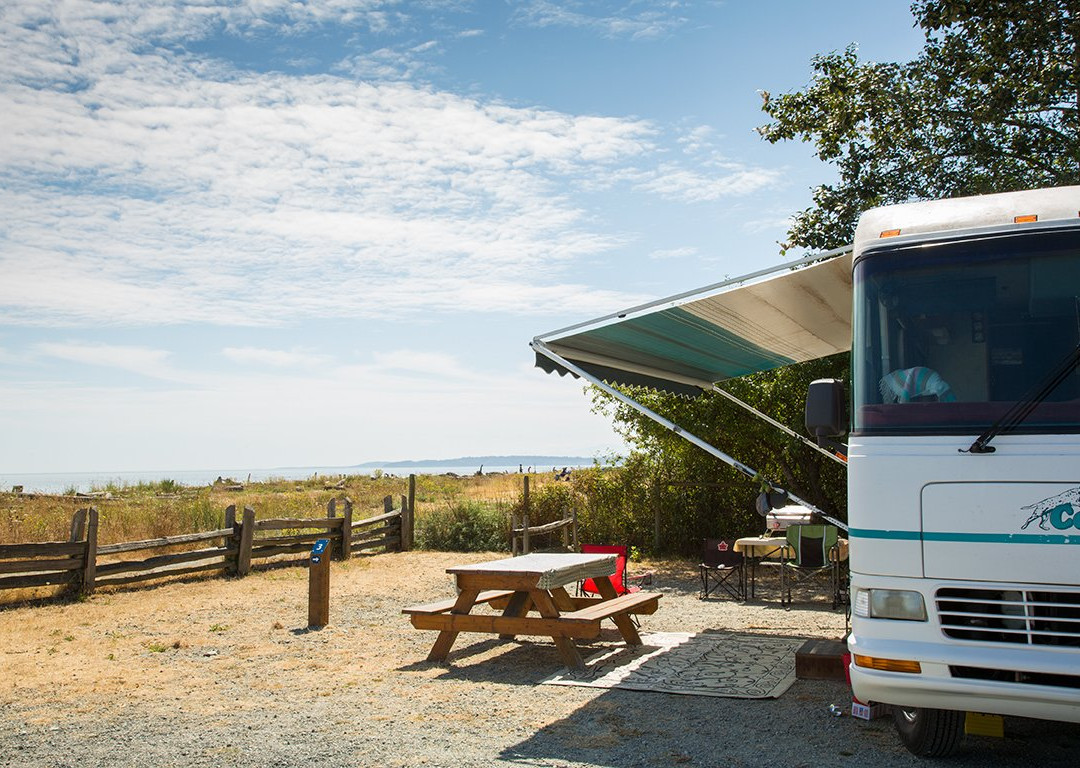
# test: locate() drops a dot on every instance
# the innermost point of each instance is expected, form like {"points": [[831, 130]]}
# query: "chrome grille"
{"points": [[1025, 617]]}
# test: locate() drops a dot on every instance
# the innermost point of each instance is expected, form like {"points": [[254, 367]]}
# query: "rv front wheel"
{"points": [[929, 732]]}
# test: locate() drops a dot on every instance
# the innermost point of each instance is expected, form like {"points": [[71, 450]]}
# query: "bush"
{"points": [[463, 526], [548, 503]]}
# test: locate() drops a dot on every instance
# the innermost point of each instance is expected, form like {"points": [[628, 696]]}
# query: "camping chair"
{"points": [[619, 579], [724, 567], [812, 551]]}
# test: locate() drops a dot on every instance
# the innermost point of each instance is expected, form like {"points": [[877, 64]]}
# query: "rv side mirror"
{"points": [[826, 409]]}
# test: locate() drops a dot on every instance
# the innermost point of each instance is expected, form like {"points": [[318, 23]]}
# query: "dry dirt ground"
{"points": [[224, 672]]}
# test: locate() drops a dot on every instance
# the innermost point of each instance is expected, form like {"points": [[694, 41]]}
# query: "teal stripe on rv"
{"points": [[870, 533], [982, 538]]}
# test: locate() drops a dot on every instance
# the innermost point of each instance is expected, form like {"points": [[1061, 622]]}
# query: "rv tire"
{"points": [[929, 732]]}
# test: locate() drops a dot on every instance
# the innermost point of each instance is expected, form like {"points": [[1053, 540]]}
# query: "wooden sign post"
{"points": [[319, 585]]}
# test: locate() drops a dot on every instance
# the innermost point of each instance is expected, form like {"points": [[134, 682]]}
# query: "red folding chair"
{"points": [[619, 579]]}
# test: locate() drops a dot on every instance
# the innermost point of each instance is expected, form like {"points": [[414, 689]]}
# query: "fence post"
{"points": [[319, 585], [412, 511], [525, 518], [406, 525], [247, 537], [346, 530], [78, 526], [573, 517], [232, 542], [78, 531], [90, 562], [335, 541]]}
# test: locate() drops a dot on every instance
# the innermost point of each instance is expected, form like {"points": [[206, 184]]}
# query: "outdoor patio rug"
{"points": [[703, 664]]}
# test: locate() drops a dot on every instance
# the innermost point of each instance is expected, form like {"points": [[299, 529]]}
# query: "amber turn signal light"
{"points": [[888, 665]]}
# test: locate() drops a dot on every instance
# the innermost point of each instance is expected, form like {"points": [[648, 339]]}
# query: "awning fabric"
{"points": [[686, 343]]}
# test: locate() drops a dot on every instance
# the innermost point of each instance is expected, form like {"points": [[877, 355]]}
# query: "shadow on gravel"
{"points": [[522, 662], [622, 728]]}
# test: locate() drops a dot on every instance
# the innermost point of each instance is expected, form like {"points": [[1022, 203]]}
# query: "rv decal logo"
{"points": [[1060, 512]]}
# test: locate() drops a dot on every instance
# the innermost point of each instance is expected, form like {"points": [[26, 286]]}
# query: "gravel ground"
{"points": [[223, 672]]}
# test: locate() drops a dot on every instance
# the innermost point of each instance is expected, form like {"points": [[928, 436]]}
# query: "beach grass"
{"points": [[167, 508]]}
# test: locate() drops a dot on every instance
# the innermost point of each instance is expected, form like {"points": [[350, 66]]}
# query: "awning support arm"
{"points": [[782, 427], [540, 347]]}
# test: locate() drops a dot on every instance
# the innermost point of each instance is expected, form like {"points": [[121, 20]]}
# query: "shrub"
{"points": [[548, 503], [463, 526]]}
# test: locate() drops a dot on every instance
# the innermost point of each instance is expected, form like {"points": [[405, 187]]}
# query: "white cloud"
{"points": [[359, 413], [279, 358], [697, 139], [780, 221], [147, 362], [142, 187], [633, 20], [674, 253], [433, 364], [692, 186]]}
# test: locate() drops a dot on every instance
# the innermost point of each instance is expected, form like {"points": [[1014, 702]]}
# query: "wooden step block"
{"points": [[820, 660]]}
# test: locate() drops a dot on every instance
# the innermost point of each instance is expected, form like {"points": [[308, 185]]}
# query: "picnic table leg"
{"points": [[465, 601], [562, 599], [622, 621], [567, 650], [516, 608]]}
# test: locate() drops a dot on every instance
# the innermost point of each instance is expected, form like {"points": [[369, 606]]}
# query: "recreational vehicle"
{"points": [[962, 318]]}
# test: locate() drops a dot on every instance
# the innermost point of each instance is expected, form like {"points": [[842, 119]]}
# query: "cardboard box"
{"points": [[868, 711]]}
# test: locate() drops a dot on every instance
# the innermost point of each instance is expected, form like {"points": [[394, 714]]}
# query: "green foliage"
{"points": [[615, 504], [463, 526], [989, 105], [696, 494], [548, 503]]}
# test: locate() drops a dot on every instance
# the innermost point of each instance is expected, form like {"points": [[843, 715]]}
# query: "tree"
{"points": [[699, 494], [991, 104]]}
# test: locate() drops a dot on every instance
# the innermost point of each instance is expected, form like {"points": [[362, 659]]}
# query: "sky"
{"points": [[269, 233]]}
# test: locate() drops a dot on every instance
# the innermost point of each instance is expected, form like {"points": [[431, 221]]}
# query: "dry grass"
{"points": [[140, 512]]}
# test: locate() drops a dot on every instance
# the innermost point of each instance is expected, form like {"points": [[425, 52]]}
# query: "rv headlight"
{"points": [[901, 604]]}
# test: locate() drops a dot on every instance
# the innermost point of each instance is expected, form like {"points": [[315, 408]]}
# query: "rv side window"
{"points": [[948, 335]]}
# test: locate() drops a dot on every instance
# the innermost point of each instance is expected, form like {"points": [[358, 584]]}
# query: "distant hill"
{"points": [[491, 461]]}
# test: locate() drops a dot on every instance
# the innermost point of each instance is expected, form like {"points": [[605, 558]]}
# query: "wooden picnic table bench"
{"points": [[530, 584]]}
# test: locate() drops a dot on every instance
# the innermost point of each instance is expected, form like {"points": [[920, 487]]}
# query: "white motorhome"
{"points": [[963, 321], [964, 461]]}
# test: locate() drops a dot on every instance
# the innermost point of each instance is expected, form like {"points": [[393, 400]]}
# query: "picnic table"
{"points": [[530, 591]]}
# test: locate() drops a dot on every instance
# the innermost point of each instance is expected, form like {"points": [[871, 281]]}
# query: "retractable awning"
{"points": [[792, 313], [688, 343]]}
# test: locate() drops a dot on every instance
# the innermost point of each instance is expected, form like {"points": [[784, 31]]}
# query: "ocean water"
{"points": [[84, 482]]}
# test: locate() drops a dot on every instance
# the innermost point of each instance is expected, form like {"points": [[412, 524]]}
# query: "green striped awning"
{"points": [[796, 312]]}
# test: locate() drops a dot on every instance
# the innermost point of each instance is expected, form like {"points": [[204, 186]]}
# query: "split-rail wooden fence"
{"points": [[83, 565], [522, 533]]}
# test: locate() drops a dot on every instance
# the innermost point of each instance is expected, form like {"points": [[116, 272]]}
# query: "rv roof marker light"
{"points": [[1026, 219], [890, 233]]}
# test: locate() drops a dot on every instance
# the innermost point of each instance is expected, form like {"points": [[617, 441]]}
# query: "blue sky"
{"points": [[261, 233]]}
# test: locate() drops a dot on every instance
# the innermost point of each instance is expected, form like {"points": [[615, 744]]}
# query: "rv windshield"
{"points": [[948, 335]]}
